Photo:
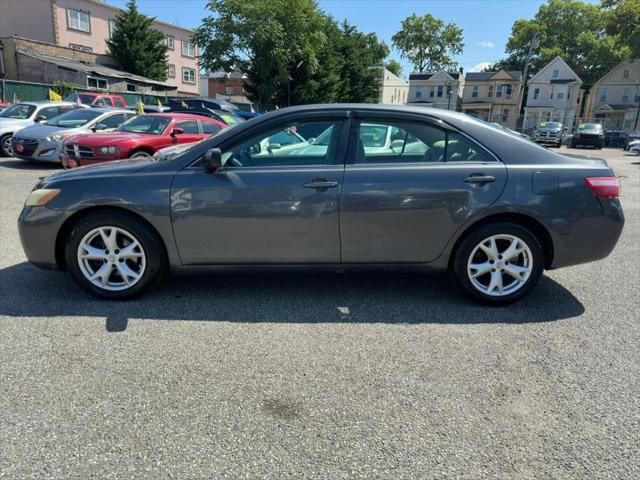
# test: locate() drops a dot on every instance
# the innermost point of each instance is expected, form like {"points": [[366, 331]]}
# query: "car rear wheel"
{"points": [[114, 256], [498, 263], [140, 154], [6, 149]]}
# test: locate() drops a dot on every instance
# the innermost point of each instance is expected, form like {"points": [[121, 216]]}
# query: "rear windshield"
{"points": [[149, 124], [75, 118], [21, 111], [550, 125]]}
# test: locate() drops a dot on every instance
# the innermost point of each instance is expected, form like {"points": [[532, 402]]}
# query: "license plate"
{"points": [[19, 148]]}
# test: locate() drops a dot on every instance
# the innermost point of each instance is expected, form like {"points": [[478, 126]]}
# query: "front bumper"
{"points": [[548, 141], [44, 151], [73, 162], [38, 228], [594, 142]]}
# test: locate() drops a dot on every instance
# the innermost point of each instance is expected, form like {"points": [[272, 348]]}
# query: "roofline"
{"points": [[162, 22], [550, 62]]}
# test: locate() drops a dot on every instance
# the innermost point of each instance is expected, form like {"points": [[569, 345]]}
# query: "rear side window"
{"points": [[113, 121], [189, 126], [461, 149], [120, 103], [210, 127]]}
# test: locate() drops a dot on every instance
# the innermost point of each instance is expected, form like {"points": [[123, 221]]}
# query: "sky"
{"points": [[486, 24]]}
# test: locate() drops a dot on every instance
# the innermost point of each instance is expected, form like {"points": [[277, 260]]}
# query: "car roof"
{"points": [[108, 110], [186, 116], [39, 103]]}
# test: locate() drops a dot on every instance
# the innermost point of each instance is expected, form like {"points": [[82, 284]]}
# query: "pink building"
{"points": [[87, 24]]}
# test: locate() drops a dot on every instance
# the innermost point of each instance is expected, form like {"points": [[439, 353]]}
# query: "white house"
{"points": [[440, 89], [393, 89], [554, 95]]}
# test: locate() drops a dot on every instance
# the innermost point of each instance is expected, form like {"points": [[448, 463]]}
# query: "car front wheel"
{"points": [[498, 263], [6, 149], [114, 256]]}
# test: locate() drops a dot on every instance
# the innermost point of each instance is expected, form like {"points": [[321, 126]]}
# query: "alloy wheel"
{"points": [[7, 146], [111, 258], [500, 265]]}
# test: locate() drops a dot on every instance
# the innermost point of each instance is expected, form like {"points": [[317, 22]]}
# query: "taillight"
{"points": [[604, 186]]}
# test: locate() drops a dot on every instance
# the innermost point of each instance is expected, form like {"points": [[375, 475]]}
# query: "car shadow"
{"points": [[380, 297], [16, 164]]}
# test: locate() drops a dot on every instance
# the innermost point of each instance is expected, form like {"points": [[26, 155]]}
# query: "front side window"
{"points": [[20, 111], [210, 127], [112, 121], [188, 126], [188, 75], [188, 49], [48, 112], [152, 125], [78, 20], [302, 143]]}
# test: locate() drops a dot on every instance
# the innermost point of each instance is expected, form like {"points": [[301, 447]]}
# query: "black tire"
{"points": [[4, 152], [152, 247], [140, 154], [458, 267]]}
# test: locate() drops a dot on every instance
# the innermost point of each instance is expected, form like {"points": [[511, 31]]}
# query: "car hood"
{"points": [[41, 131], [110, 138], [14, 122], [120, 167], [549, 129]]}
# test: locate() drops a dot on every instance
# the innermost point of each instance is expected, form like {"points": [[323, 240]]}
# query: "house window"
{"points": [[536, 93], [188, 49], [505, 114], [474, 92], [170, 41], [440, 88], [569, 94], [490, 93], [625, 95], [99, 83], [78, 20], [603, 92], [560, 95], [131, 87], [188, 75], [229, 90], [418, 92], [509, 90], [432, 92], [171, 70], [628, 124], [499, 91], [555, 73], [112, 27], [551, 95], [82, 48], [626, 74]]}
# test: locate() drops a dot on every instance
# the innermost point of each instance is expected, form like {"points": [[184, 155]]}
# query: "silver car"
{"points": [[44, 142], [23, 114]]}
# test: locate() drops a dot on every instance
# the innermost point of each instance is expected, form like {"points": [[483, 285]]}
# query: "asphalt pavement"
{"points": [[332, 376]]}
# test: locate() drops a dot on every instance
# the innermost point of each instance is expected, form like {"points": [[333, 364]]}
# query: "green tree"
{"points": [[622, 20], [138, 46], [269, 40], [428, 42], [394, 67], [571, 29]]}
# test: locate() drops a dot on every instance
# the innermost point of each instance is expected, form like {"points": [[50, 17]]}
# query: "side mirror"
{"points": [[274, 146], [40, 119], [100, 126], [397, 144], [177, 131], [212, 159]]}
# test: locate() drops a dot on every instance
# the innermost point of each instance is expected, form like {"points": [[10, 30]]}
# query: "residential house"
{"points": [[554, 95], [230, 86], [393, 89], [493, 96], [614, 100], [439, 89], [86, 25]]}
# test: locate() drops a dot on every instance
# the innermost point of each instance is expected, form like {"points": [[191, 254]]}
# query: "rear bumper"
{"points": [[38, 228], [589, 238], [595, 142]]}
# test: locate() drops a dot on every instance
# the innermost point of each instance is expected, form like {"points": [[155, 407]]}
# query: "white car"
{"points": [[635, 147]]}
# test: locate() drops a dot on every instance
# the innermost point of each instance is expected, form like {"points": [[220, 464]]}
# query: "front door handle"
{"points": [[479, 179], [320, 184]]}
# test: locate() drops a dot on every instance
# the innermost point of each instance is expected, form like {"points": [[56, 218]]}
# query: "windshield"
{"points": [[550, 125], [149, 124], [74, 118], [324, 138], [589, 126], [20, 111]]}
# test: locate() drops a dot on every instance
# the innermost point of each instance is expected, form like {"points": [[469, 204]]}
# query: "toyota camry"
{"points": [[387, 186]]}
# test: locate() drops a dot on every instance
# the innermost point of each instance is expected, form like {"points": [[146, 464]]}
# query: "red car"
{"points": [[98, 99], [139, 137]]}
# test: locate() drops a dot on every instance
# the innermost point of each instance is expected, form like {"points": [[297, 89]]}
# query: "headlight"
{"points": [[54, 138], [41, 196], [108, 150]]}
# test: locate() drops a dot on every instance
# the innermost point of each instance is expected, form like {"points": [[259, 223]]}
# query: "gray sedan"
{"points": [[43, 142], [493, 209]]}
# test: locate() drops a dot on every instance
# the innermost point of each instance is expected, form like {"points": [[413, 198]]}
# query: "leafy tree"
{"points": [[622, 20], [138, 46], [571, 29], [394, 67], [428, 42]]}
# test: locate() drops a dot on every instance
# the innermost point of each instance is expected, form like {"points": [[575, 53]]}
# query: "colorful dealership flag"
{"points": [[140, 107], [159, 103], [54, 96]]}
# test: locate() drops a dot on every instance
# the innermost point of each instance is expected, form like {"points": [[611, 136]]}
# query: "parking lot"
{"points": [[376, 375]]}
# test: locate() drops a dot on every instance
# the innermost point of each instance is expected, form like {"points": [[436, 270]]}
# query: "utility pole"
{"points": [[635, 128], [534, 44]]}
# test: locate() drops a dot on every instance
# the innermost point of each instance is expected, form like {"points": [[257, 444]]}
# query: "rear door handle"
{"points": [[479, 179], [320, 184]]}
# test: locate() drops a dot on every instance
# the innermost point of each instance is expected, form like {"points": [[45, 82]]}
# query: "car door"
{"points": [[405, 203], [190, 131], [281, 209]]}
